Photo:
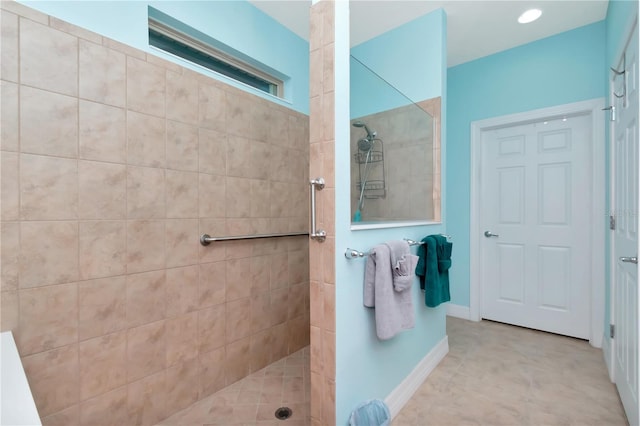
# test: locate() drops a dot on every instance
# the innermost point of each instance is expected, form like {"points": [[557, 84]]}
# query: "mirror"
{"points": [[395, 154]]}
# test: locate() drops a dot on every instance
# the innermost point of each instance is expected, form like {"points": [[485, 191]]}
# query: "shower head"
{"points": [[370, 134], [365, 144]]}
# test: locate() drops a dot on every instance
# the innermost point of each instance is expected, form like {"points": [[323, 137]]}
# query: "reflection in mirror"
{"points": [[395, 153]]}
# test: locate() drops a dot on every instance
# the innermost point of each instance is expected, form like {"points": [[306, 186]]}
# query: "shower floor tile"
{"points": [[255, 399]]}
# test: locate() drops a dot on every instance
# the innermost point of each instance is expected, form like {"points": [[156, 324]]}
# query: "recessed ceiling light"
{"points": [[529, 16]]}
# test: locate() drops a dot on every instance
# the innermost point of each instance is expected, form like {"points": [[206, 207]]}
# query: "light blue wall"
{"points": [[238, 24], [620, 15], [414, 55], [564, 68]]}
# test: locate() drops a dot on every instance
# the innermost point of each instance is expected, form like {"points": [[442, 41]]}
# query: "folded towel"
{"points": [[393, 308], [433, 269], [403, 264]]}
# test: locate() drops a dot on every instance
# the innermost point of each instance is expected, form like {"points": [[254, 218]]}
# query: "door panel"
{"points": [[535, 198], [625, 237]]}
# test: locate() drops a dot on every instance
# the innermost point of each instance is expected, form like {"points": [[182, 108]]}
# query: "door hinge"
{"points": [[612, 222], [612, 331]]}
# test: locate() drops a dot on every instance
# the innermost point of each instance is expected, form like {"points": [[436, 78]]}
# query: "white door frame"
{"points": [[598, 219], [609, 349]]}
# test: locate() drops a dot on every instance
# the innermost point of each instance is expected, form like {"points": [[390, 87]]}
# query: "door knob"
{"points": [[629, 259], [490, 234]]}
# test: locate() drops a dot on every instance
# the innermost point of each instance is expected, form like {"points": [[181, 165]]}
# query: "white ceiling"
{"points": [[475, 28]]}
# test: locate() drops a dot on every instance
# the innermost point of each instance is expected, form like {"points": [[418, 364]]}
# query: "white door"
{"points": [[535, 214], [625, 236]]}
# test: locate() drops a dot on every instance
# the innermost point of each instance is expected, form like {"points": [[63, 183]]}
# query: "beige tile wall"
{"points": [[113, 163], [411, 148], [322, 255]]}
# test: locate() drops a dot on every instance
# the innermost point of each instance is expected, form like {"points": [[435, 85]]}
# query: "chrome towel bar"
{"points": [[350, 253], [316, 184], [206, 239]]}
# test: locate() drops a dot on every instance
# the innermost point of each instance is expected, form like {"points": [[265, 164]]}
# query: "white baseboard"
{"points": [[458, 311], [397, 399], [606, 351]]}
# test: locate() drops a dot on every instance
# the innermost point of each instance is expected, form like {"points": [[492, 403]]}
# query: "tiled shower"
{"points": [[113, 163]]}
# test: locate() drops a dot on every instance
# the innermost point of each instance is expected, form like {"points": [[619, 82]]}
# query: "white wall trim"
{"points": [[592, 107], [398, 397], [458, 311]]}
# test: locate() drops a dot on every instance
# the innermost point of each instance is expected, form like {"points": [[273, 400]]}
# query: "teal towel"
{"points": [[434, 261]]}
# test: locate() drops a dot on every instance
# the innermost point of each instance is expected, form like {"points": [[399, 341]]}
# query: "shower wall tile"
{"points": [[54, 378], [102, 134], [237, 203], [48, 123], [145, 87], [48, 253], [145, 350], [180, 249], [277, 132], [212, 371], [102, 190], [238, 112], [103, 249], [48, 318], [182, 290], [261, 158], [212, 107], [144, 252], [9, 122], [238, 156], [182, 194], [182, 98], [10, 196], [103, 364], [110, 407], [212, 156], [9, 53], [212, 191], [102, 74], [238, 278], [48, 58], [68, 416], [9, 310], [102, 306], [9, 255], [237, 326], [145, 193], [145, 140], [71, 29], [114, 162], [237, 361], [182, 338], [146, 399], [48, 188], [212, 284], [182, 147], [145, 297], [260, 312], [211, 328], [182, 386]]}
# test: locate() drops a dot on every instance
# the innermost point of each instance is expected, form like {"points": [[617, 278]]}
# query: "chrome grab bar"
{"points": [[629, 259], [316, 184], [206, 239]]}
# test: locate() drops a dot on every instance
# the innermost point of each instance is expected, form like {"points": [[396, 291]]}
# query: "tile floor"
{"points": [[254, 399], [496, 374]]}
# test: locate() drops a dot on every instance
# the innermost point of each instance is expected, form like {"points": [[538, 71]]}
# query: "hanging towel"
{"points": [[433, 269], [371, 413], [393, 306]]}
